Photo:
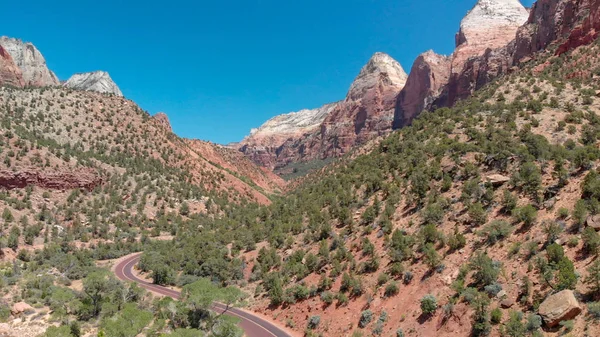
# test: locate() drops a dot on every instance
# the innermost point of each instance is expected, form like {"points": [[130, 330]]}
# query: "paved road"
{"points": [[252, 325]]}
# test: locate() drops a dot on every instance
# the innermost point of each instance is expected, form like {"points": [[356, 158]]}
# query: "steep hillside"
{"points": [[334, 129], [471, 221], [99, 161]]}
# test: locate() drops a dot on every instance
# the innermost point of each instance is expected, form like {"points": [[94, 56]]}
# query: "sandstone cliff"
{"points": [[31, 62], [99, 81], [332, 130], [62, 180], [10, 74], [490, 24], [428, 77], [563, 24]]}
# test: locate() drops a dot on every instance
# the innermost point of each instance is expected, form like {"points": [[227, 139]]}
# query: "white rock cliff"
{"points": [[31, 62], [99, 81]]}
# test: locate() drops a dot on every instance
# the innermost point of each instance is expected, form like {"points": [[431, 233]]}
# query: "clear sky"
{"points": [[219, 68]]}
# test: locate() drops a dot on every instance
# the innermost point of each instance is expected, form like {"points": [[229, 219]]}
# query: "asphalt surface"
{"points": [[252, 325]]}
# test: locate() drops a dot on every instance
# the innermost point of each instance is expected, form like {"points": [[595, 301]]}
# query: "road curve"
{"points": [[252, 325]]}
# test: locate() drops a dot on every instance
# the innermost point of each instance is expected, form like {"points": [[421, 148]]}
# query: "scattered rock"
{"points": [[497, 179], [548, 204], [501, 294], [19, 308], [559, 307], [507, 303], [593, 221]]}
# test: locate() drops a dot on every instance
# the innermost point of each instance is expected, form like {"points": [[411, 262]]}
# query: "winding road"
{"points": [[252, 325]]}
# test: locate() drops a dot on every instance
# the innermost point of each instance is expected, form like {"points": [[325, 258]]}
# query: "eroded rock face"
{"points": [[61, 180], [490, 24], [31, 62], [429, 74], [332, 130], [559, 307], [99, 81], [437, 81], [10, 74], [485, 52], [368, 110]]}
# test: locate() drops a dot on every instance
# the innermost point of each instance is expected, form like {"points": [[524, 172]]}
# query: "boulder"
{"points": [[19, 308], [507, 303], [593, 221], [497, 179], [559, 307]]}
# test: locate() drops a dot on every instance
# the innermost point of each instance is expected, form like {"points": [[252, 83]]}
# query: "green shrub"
{"points": [[428, 304], [342, 299], [591, 240], [526, 214], [566, 278], [534, 322], [365, 318], [496, 316], [486, 272], [594, 310], [555, 253], [313, 322], [327, 297], [514, 327], [496, 231], [391, 289]]}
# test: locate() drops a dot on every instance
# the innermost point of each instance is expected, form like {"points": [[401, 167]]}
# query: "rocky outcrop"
{"points": [[20, 307], [429, 74], [332, 130], [559, 307], [10, 74], [60, 180], [163, 121], [31, 62], [99, 81]]}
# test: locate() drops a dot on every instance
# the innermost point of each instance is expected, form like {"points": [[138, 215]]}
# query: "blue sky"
{"points": [[219, 68]]}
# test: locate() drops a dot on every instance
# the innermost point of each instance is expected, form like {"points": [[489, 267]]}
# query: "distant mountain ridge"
{"points": [[335, 128], [23, 65]]}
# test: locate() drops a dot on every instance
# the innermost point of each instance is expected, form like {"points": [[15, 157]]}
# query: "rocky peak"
{"points": [[31, 62], [490, 24], [381, 69], [163, 121], [488, 15], [428, 76], [99, 81]]}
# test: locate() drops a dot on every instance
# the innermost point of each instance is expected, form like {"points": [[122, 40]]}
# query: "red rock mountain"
{"points": [[332, 130], [437, 80], [566, 24]]}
